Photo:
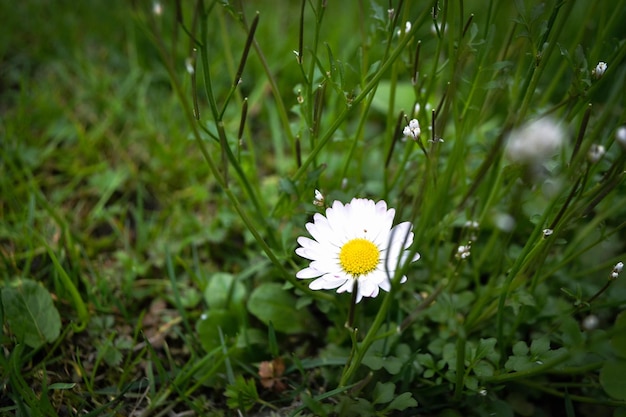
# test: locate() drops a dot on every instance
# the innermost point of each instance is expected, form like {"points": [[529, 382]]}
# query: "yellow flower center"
{"points": [[359, 257]]}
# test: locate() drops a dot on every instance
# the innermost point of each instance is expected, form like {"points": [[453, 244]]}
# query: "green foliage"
{"points": [[159, 162], [270, 303], [242, 394], [29, 310]]}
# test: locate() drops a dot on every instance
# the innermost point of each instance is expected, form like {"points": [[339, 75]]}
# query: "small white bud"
{"points": [[596, 152], [407, 29], [463, 251], [472, 224], [547, 232], [189, 65], [319, 199], [617, 269], [599, 70], [412, 130], [620, 136], [590, 322]]}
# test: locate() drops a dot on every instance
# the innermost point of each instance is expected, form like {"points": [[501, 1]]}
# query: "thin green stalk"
{"points": [[536, 74], [79, 304], [220, 179]]}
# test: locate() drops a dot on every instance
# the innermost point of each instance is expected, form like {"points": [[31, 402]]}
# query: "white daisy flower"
{"points": [[355, 241]]}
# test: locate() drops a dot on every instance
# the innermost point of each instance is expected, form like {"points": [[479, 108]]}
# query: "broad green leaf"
{"points": [[520, 349], [540, 346], [393, 365], [618, 342], [612, 378], [383, 393], [402, 402], [374, 362], [30, 312], [483, 369], [518, 363], [209, 325], [404, 97], [224, 290], [270, 302]]}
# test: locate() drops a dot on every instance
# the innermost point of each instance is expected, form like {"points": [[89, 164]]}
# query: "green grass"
{"points": [[149, 214]]}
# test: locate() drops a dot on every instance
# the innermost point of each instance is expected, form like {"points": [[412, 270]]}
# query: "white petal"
{"points": [[347, 286], [327, 282], [307, 273], [368, 288], [329, 266]]}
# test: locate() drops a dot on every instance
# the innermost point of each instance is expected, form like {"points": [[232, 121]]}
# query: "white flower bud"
{"points": [[412, 130], [599, 70], [596, 152], [620, 136]]}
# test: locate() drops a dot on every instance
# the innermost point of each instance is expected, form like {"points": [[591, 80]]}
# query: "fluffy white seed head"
{"points": [[535, 141]]}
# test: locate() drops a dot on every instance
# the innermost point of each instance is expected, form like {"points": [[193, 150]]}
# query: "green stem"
{"points": [[79, 304]]}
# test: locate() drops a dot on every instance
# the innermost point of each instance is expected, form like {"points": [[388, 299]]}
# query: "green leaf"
{"points": [[518, 363], [224, 290], [402, 402], [30, 312], [612, 378], [270, 302], [483, 369], [62, 385], [520, 349], [209, 324], [540, 346], [383, 393], [374, 362], [618, 342], [241, 394], [392, 365]]}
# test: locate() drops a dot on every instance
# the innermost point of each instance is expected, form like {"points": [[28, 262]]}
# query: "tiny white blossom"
{"points": [[472, 224], [599, 70], [157, 9], [596, 152], [407, 28], [547, 232], [463, 251], [189, 66], [616, 270], [412, 130], [319, 198], [620, 136], [535, 141], [590, 322]]}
